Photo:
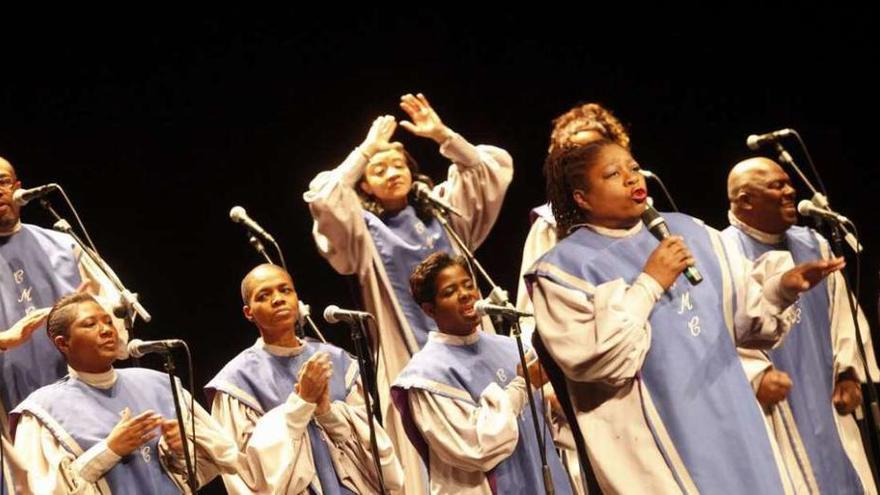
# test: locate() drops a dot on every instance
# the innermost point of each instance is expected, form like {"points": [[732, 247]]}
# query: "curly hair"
{"points": [[422, 207], [423, 281], [566, 170], [607, 124]]}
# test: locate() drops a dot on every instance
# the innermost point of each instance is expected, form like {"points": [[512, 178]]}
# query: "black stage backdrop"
{"points": [[157, 122]]}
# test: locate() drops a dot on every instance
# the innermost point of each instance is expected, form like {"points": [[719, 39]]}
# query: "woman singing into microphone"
{"points": [[368, 224], [650, 360]]}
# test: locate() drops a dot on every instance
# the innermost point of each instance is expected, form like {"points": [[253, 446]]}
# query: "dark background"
{"points": [[157, 122]]}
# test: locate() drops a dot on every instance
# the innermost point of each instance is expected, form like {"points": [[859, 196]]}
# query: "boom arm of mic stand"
{"points": [[472, 260], [127, 296], [259, 248]]}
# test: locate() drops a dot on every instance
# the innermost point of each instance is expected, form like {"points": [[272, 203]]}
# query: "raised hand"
{"points": [[21, 331], [379, 135], [425, 121]]}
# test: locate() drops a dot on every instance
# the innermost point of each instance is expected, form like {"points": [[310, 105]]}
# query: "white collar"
{"points": [[103, 380], [758, 235], [14, 230], [449, 339], [619, 233], [282, 351]]}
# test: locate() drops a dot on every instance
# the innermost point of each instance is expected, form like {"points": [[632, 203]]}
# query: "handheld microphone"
{"points": [[238, 215], [25, 196], [138, 348], [755, 141], [657, 226], [335, 314]]}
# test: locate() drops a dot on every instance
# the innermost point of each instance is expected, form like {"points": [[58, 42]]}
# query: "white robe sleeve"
{"points": [[276, 445], [476, 184], [52, 468], [340, 231], [762, 315], [843, 334], [603, 338], [470, 437], [347, 427]]}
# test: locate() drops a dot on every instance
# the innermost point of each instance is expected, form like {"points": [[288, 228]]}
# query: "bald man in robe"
{"points": [[809, 386]]}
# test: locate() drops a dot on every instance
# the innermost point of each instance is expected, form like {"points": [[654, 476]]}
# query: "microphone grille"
{"points": [[804, 207], [480, 306], [132, 347], [753, 142], [330, 313], [237, 213]]}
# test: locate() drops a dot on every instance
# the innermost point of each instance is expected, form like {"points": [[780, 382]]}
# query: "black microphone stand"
{"points": [[258, 246], [837, 243], [499, 296], [175, 390], [545, 467], [358, 337]]}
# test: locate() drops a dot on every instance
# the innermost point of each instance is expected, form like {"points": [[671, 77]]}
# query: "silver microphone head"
{"points": [[237, 214], [480, 307], [804, 206], [753, 142], [330, 314]]}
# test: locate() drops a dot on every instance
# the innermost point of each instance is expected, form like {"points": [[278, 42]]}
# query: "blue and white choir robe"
{"points": [[806, 424], [659, 392], [60, 433], [474, 374], [336, 459]]}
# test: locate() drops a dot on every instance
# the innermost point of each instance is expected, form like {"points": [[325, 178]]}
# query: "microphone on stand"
{"points": [[238, 215], [335, 314], [25, 196], [755, 141], [424, 192], [139, 348]]}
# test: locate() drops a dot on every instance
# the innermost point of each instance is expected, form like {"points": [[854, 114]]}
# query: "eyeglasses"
{"points": [[6, 182]]}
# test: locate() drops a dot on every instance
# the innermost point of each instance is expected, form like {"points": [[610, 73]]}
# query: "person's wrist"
{"points": [[442, 135]]}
